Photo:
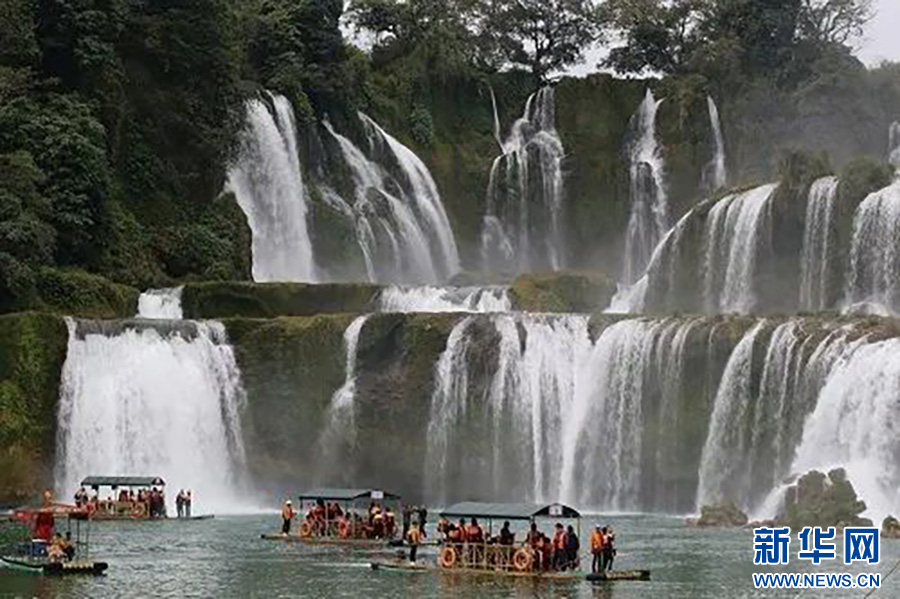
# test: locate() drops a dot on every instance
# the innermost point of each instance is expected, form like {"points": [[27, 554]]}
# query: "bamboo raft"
{"points": [[44, 566], [405, 566], [316, 540], [643, 575]]}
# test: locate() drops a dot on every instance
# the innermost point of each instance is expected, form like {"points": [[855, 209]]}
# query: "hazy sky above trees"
{"points": [[882, 41]]}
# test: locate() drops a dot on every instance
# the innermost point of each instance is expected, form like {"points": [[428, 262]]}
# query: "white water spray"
{"points": [[162, 304], [444, 299]]}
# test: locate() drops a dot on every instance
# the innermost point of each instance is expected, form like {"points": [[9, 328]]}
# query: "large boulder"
{"points": [[890, 528], [724, 514], [562, 292], [822, 500]]}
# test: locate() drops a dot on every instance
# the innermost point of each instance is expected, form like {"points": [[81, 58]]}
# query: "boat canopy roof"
{"points": [[346, 494], [509, 511], [123, 481]]}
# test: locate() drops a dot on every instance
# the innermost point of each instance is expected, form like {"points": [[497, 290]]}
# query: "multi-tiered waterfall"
{"points": [[522, 226], [401, 229]]}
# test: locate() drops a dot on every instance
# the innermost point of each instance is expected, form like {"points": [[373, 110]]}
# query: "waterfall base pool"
{"points": [[224, 557]]}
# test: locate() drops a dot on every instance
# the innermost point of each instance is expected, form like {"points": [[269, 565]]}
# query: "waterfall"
{"points": [[148, 403], [402, 228], [496, 119], [338, 436], [649, 218], [874, 279], [818, 245], [554, 415], [855, 426], [267, 181], [737, 230], [894, 145], [444, 299], [162, 304], [525, 194], [727, 445], [449, 404], [715, 176]]}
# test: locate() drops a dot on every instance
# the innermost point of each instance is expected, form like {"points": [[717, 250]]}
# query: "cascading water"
{"points": [[715, 176], [339, 434], [522, 225], [727, 445], [558, 416], [496, 119], [444, 299], [855, 424], [163, 304], [267, 181], [649, 218], [817, 256], [148, 402], [894, 146], [402, 228], [738, 229], [873, 284]]}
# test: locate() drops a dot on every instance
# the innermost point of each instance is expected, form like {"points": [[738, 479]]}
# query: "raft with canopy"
{"points": [[490, 556], [116, 508], [46, 550], [352, 517]]}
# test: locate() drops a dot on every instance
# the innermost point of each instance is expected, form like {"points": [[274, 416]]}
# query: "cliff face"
{"points": [[32, 352]]}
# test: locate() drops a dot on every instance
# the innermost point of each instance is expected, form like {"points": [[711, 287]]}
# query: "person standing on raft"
{"points": [[598, 543], [287, 514], [414, 538]]}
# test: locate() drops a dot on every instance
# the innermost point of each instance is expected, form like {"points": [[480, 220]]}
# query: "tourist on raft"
{"points": [[609, 548], [287, 515], [598, 544], [414, 539]]}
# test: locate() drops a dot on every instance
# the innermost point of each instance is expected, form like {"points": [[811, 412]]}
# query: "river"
{"points": [[224, 557]]}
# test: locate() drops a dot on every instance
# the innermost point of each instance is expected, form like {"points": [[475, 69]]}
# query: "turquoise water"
{"points": [[224, 557]]}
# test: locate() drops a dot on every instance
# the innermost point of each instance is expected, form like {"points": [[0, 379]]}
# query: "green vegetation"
{"points": [[271, 300], [118, 119], [32, 352]]}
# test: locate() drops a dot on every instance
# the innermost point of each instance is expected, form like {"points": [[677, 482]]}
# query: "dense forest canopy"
{"points": [[118, 118]]}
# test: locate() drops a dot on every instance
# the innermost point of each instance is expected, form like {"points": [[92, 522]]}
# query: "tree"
{"points": [[659, 36], [542, 35], [834, 21]]}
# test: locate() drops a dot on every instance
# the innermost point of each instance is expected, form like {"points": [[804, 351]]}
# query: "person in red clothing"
{"points": [[559, 547]]}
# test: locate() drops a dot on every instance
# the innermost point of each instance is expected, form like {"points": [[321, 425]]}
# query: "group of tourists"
{"points": [[183, 502], [538, 552], [330, 520], [603, 548], [128, 503]]}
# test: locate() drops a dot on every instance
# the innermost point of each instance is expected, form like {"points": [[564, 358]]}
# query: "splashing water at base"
{"points": [[142, 403], [161, 304], [444, 299]]}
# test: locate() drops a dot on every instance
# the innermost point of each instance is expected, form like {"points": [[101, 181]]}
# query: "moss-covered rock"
{"points": [[271, 300], [562, 292], [78, 293], [726, 514], [291, 368], [32, 352]]}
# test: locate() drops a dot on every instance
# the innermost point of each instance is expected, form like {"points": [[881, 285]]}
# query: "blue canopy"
{"points": [[327, 494], [509, 511]]}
